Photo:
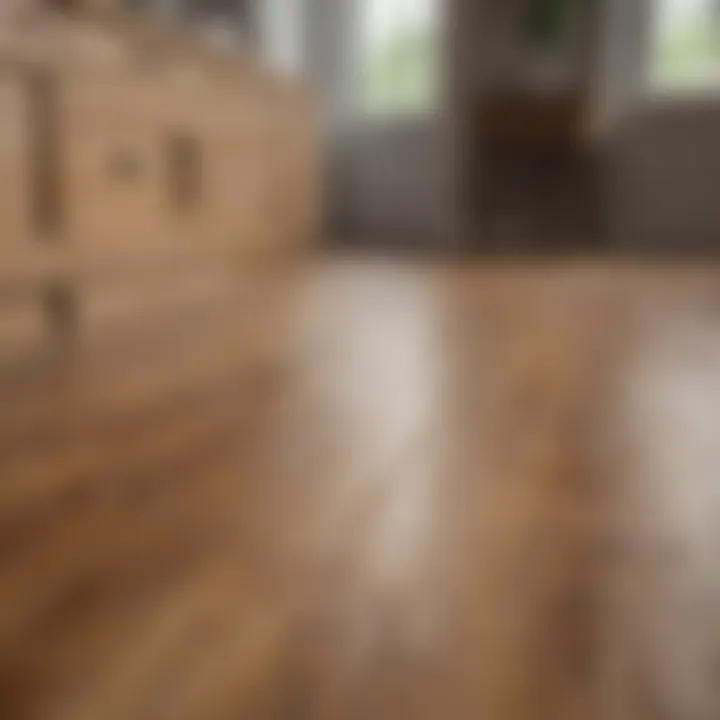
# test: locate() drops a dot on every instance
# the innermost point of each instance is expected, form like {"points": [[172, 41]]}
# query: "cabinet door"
{"points": [[17, 205], [44, 144]]}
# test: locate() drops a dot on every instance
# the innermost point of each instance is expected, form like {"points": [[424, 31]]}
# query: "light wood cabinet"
{"points": [[127, 146]]}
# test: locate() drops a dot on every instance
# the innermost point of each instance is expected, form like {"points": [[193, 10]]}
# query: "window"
{"points": [[399, 58], [686, 44]]}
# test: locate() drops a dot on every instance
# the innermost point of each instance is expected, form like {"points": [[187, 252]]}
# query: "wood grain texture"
{"points": [[90, 104], [359, 489]]}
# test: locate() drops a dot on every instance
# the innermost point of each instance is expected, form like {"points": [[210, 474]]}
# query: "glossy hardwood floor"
{"points": [[361, 489]]}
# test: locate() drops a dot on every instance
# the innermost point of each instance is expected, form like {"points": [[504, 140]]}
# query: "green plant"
{"points": [[548, 22]]}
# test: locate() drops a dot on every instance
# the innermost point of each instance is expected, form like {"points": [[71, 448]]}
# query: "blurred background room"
{"points": [[359, 359]]}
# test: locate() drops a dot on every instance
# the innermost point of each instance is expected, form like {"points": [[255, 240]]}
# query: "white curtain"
{"points": [[282, 34]]}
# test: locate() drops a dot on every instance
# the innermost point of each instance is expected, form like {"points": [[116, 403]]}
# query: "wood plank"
{"points": [[366, 489]]}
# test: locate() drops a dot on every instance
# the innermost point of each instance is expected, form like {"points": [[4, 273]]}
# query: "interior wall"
{"points": [[402, 176], [661, 152], [665, 175], [390, 174], [499, 55], [663, 171], [624, 29], [386, 176], [411, 175]]}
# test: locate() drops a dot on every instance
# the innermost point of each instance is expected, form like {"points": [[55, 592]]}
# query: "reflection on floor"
{"points": [[359, 489]]}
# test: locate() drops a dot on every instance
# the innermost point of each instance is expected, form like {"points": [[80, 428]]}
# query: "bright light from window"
{"points": [[686, 47], [399, 56]]}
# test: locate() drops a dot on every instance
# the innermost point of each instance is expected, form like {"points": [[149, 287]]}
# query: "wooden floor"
{"points": [[364, 490]]}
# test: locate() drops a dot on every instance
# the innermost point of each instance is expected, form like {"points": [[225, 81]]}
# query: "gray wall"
{"points": [[390, 176], [663, 151], [386, 176], [400, 177], [664, 180], [499, 55]]}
